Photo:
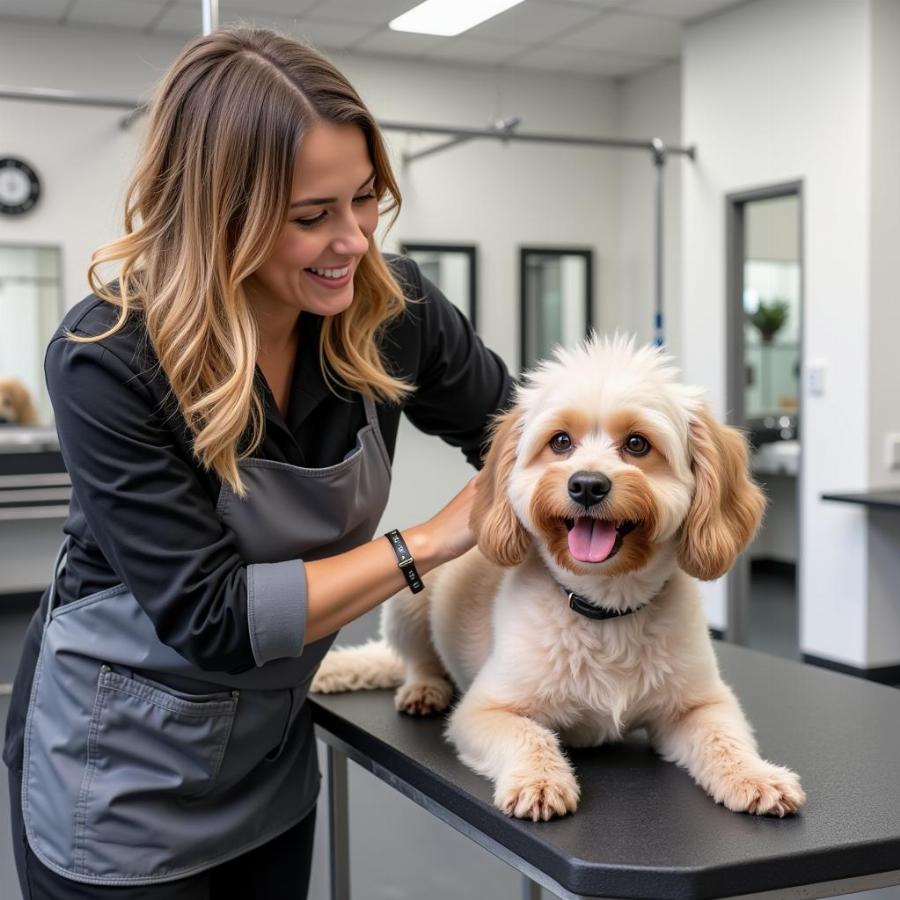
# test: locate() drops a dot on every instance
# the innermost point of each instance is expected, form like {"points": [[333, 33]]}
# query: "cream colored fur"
{"points": [[536, 676]]}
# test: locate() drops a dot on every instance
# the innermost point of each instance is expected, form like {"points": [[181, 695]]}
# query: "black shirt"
{"points": [[142, 510]]}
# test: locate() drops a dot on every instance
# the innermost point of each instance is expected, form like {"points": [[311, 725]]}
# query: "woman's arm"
{"points": [[341, 588]]}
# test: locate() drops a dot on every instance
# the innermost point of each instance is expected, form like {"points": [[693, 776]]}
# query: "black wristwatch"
{"points": [[405, 560]]}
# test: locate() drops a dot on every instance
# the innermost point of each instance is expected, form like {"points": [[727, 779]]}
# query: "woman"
{"points": [[227, 409]]}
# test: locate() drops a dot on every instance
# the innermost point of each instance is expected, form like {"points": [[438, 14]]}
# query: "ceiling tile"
{"points": [[400, 43], [289, 8], [373, 12], [532, 22], [186, 20], [39, 10], [181, 20], [602, 64], [683, 10], [115, 14], [462, 49], [626, 33], [335, 35]]}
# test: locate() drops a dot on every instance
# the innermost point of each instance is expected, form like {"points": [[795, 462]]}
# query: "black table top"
{"points": [[643, 828], [886, 498]]}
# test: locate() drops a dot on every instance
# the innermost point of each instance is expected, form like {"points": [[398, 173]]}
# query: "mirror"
{"points": [[556, 294], [771, 297], [453, 268], [31, 308]]}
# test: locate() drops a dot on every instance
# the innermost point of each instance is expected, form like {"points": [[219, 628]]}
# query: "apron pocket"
{"points": [[149, 749]]}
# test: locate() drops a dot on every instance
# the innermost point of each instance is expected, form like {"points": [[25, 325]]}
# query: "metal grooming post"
{"points": [[659, 162], [656, 147], [210, 15], [501, 126]]}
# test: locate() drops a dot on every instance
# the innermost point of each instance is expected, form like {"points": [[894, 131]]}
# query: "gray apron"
{"points": [[140, 767]]}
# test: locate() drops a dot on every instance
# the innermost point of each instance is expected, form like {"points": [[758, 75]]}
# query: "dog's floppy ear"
{"points": [[727, 507], [498, 531]]}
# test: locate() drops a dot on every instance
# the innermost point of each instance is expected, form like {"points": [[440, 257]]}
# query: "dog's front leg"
{"points": [[715, 743], [532, 777], [404, 623]]}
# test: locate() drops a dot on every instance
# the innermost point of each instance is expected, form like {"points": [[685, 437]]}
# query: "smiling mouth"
{"points": [[596, 540], [336, 273]]}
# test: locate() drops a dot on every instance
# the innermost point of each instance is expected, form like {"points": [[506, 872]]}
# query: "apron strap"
{"points": [[371, 414], [58, 563], [372, 418]]}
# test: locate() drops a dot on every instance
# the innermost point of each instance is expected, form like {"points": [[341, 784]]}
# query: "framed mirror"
{"points": [[556, 298], [31, 307], [453, 268]]}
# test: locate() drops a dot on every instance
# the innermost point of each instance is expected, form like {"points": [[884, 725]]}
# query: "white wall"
{"points": [[761, 113]]}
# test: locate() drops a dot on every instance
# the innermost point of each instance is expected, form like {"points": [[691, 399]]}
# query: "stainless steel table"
{"points": [[644, 829]]}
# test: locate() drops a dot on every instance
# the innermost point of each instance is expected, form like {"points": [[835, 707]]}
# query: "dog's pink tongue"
{"points": [[591, 540]]}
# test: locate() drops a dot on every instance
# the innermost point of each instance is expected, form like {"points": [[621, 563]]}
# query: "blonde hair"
{"points": [[212, 191]]}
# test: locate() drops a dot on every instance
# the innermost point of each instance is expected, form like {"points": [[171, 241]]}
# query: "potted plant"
{"points": [[768, 318]]}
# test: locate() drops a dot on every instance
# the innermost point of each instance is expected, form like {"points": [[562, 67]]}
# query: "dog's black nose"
{"points": [[588, 488]]}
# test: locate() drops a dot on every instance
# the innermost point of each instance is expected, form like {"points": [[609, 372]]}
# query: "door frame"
{"points": [[737, 625]]}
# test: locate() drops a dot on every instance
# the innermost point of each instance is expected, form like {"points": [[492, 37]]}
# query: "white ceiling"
{"points": [[611, 38]]}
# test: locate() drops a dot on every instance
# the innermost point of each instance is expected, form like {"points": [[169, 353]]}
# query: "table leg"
{"points": [[338, 824], [531, 890]]}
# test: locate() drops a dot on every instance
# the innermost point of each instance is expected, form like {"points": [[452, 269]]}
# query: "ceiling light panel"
{"points": [[449, 17]]}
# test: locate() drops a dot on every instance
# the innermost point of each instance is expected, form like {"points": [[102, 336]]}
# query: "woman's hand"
{"points": [[446, 534]]}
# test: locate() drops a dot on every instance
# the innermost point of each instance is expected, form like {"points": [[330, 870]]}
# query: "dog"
{"points": [[16, 406], [608, 489]]}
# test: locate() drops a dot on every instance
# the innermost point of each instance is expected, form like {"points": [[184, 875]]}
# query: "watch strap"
{"points": [[405, 560]]}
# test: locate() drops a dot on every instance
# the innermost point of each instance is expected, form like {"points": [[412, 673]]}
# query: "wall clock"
{"points": [[20, 186]]}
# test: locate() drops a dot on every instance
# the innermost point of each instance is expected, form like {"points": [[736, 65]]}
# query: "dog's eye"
{"points": [[637, 445], [560, 442]]}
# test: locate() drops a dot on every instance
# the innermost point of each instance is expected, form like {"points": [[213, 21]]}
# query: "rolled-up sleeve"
{"points": [[276, 609], [155, 523], [461, 383]]}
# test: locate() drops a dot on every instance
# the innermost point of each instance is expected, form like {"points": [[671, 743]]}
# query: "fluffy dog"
{"points": [[607, 490], [16, 407]]}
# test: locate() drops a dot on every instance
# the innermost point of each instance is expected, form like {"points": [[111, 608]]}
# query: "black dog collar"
{"points": [[586, 608]]}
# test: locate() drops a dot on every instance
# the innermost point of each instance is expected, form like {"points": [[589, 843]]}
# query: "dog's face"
{"points": [[605, 459], [16, 407]]}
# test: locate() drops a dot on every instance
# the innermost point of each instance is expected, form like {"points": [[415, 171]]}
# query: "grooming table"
{"points": [[644, 829]]}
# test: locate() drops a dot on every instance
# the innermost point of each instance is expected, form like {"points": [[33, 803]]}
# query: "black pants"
{"points": [[278, 870]]}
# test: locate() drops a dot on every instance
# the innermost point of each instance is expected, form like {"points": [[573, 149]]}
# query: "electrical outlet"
{"points": [[892, 452]]}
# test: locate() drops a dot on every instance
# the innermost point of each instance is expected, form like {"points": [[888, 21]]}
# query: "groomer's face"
{"points": [[333, 212]]}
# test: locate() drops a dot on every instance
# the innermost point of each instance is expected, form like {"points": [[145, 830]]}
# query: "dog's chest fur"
{"points": [[591, 680]]}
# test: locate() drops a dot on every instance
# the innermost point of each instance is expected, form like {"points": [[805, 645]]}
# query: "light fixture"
{"points": [[449, 17]]}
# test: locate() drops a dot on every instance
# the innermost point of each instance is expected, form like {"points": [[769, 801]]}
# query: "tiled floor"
{"points": [[440, 852]]}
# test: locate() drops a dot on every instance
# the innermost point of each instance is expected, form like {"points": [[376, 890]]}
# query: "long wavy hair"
{"points": [[204, 209]]}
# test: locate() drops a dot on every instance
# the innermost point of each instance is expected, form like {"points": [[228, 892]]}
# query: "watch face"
{"points": [[19, 186]]}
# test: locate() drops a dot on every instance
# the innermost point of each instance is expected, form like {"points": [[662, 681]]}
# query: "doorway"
{"points": [[764, 343]]}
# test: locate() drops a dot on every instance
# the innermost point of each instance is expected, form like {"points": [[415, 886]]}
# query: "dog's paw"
{"points": [[329, 680], [763, 790], [538, 796], [424, 698], [336, 674]]}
